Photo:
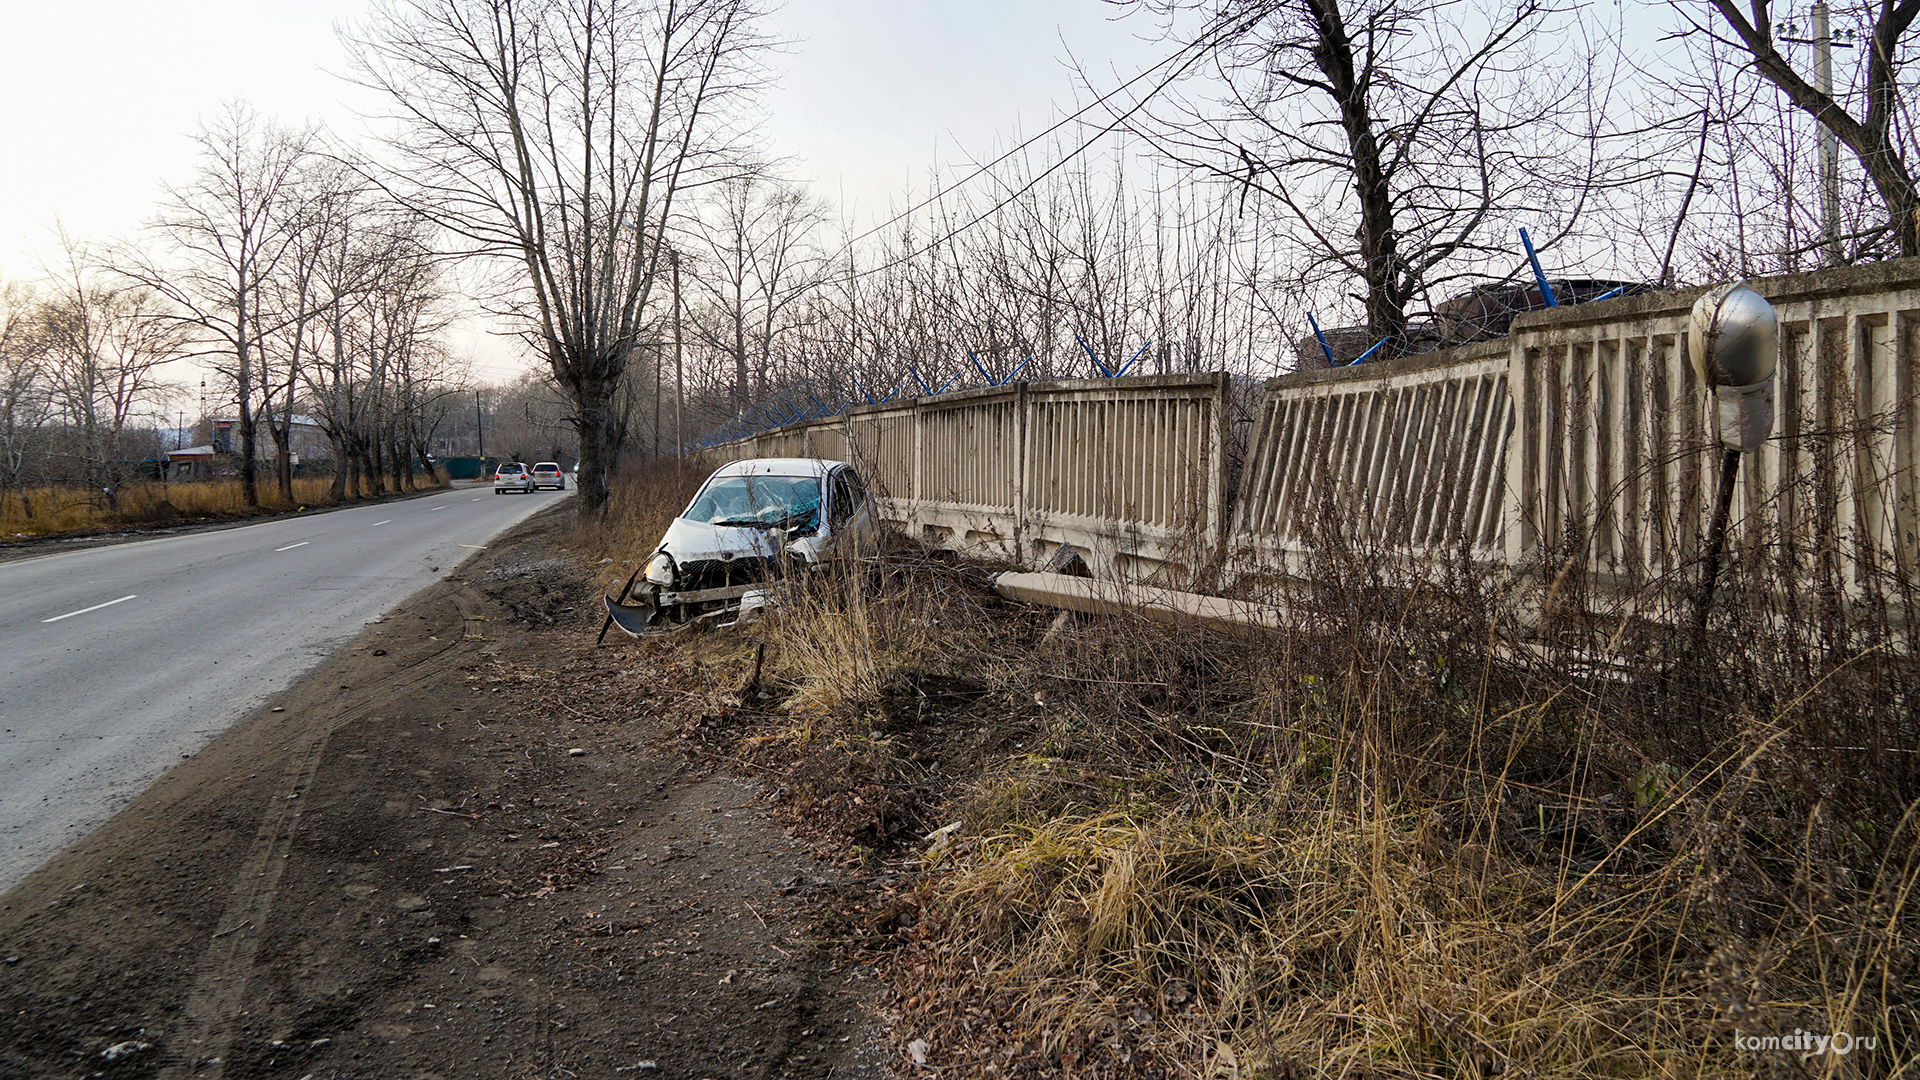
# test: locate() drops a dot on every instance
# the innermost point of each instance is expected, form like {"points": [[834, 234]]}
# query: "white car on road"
{"points": [[513, 476], [548, 474]]}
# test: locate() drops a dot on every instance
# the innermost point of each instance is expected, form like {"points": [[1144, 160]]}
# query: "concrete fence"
{"points": [[1613, 450], [1582, 439], [1585, 439], [1406, 456], [1131, 471]]}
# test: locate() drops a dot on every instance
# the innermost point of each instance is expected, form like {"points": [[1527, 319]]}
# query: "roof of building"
{"points": [[303, 421]]}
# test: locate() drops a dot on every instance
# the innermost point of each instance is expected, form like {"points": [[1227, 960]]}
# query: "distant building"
{"points": [[191, 463], [309, 439]]}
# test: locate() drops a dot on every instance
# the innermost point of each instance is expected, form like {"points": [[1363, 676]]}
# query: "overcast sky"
{"points": [[98, 98]]}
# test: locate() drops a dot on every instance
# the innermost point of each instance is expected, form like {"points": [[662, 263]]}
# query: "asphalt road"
{"points": [[122, 659]]}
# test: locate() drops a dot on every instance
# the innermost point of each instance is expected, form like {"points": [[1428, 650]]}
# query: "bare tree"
{"points": [[26, 405], [755, 242], [218, 243], [1866, 117], [101, 345], [558, 135], [1397, 139]]}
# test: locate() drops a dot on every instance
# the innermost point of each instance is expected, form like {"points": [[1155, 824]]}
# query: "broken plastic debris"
{"points": [[120, 1050]]}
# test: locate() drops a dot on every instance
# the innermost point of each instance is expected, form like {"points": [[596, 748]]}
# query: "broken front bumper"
{"points": [[663, 609]]}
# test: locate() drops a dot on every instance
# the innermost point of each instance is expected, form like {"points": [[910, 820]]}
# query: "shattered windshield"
{"points": [[757, 501]]}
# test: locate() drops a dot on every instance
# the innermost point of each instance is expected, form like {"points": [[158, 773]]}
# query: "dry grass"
{"points": [[1394, 840], [644, 498], [60, 511], [1371, 848]]}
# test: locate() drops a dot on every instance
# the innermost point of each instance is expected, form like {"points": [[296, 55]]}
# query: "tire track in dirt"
{"points": [[219, 990]]}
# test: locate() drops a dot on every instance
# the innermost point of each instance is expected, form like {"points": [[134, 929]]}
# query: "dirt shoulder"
{"points": [[448, 851]]}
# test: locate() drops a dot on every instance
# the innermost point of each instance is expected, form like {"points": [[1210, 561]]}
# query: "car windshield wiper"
{"points": [[746, 523]]}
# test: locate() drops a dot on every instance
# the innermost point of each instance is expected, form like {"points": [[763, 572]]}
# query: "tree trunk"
{"points": [[284, 438], [376, 466], [593, 405], [339, 489], [426, 462], [1379, 243]]}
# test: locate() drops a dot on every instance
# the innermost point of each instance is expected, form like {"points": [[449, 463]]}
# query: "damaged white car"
{"points": [[753, 525]]}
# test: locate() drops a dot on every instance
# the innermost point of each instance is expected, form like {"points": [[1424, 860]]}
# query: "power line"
{"points": [[1183, 58]]}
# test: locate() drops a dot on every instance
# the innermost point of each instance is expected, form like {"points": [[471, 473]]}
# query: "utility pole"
{"points": [[1823, 43], [479, 430], [1829, 148], [679, 378]]}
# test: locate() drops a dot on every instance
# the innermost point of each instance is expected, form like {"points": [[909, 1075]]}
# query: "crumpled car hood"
{"points": [[688, 541]]}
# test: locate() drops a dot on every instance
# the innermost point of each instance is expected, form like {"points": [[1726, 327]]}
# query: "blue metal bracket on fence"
{"points": [[1131, 359], [1540, 276], [1016, 372], [1324, 347], [1609, 294], [928, 390], [1094, 358], [981, 370], [1371, 351]]}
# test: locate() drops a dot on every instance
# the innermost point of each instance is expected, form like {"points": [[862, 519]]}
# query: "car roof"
{"points": [[547, 464], [778, 467]]}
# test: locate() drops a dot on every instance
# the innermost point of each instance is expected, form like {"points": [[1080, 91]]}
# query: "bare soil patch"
{"points": [[465, 846]]}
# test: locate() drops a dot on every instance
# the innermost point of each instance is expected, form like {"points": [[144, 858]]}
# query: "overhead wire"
{"points": [[1183, 60]]}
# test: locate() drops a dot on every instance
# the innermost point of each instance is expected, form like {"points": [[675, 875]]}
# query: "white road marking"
{"points": [[473, 500], [377, 524], [95, 607], [436, 509], [290, 547]]}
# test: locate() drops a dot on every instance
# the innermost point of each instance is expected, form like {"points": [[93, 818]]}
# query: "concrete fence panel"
{"points": [[1616, 458], [1399, 457], [1131, 471], [967, 491]]}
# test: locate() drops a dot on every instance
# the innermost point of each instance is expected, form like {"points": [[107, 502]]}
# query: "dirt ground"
{"points": [[450, 851]]}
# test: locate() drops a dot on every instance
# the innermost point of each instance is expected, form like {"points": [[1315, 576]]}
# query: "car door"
{"points": [[850, 515]]}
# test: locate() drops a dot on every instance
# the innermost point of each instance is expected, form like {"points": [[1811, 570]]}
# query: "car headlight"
{"points": [[660, 569]]}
